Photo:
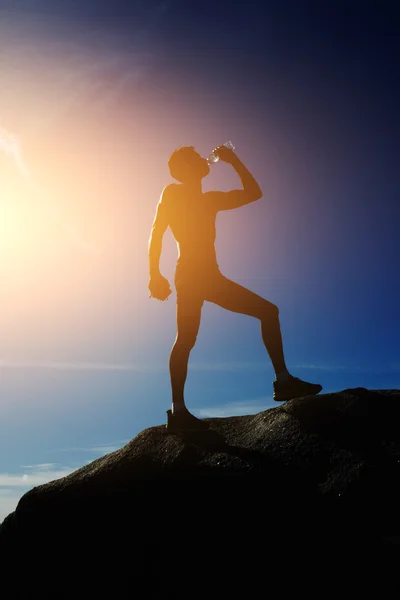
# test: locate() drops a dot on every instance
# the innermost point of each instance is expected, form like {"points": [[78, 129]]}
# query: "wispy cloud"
{"points": [[11, 146], [335, 368], [63, 69], [236, 409], [14, 485], [141, 368], [160, 368], [90, 65], [78, 366], [94, 82], [98, 449], [230, 366], [32, 478], [41, 467], [324, 367]]}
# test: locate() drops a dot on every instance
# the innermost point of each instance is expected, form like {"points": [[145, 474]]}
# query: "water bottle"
{"points": [[213, 158]]}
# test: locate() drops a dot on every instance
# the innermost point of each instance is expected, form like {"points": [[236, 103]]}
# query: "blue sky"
{"points": [[96, 95]]}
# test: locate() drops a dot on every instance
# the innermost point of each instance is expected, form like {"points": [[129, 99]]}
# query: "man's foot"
{"points": [[183, 420], [293, 387]]}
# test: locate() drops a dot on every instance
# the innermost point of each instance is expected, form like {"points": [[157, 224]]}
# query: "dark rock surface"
{"points": [[302, 498]]}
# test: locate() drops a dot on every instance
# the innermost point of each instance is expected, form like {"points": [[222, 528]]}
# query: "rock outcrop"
{"points": [[299, 498]]}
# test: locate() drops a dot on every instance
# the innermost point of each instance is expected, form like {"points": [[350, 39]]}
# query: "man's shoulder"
{"points": [[170, 190], [169, 193]]}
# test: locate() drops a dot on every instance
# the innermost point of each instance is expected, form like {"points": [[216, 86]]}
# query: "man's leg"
{"points": [[188, 315], [234, 297]]}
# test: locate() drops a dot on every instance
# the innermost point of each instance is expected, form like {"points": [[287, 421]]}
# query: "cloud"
{"points": [[10, 145], [69, 61], [105, 449], [324, 367], [236, 409], [99, 449], [43, 466], [95, 82], [335, 368], [211, 366], [56, 65], [230, 366], [78, 366], [32, 478], [132, 367], [14, 485]]}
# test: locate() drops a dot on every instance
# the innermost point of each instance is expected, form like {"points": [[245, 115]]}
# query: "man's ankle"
{"points": [[282, 376], [177, 407]]}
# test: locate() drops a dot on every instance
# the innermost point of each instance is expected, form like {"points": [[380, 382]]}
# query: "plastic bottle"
{"points": [[213, 158]]}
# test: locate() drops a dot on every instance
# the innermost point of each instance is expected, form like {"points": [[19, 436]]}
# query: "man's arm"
{"points": [[251, 190], [160, 224], [158, 285]]}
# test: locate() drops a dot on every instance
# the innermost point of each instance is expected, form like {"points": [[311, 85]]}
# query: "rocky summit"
{"points": [[303, 498]]}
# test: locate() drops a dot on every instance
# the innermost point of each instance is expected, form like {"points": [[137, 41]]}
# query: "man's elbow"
{"points": [[255, 195]]}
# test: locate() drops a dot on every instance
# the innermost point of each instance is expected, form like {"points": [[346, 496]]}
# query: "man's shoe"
{"points": [[183, 420], [294, 388]]}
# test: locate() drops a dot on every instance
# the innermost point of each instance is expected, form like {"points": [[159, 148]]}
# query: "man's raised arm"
{"points": [[158, 285], [251, 190]]}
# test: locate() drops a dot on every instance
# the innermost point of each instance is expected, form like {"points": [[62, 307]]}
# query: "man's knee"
{"points": [[270, 311], [185, 341]]}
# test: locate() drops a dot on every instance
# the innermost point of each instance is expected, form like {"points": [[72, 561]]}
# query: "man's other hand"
{"points": [[159, 287]]}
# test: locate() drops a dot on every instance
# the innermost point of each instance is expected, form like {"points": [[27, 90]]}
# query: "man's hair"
{"points": [[179, 161]]}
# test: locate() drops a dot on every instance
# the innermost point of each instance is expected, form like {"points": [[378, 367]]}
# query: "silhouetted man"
{"points": [[191, 216]]}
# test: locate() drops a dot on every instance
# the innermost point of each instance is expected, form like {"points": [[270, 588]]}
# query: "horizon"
{"points": [[95, 100]]}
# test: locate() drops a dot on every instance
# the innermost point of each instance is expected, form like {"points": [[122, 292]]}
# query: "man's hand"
{"points": [[225, 154], [159, 287]]}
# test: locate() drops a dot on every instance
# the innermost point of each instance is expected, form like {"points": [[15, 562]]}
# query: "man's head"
{"points": [[186, 165]]}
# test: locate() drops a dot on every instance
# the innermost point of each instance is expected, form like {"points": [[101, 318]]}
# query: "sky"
{"points": [[95, 96]]}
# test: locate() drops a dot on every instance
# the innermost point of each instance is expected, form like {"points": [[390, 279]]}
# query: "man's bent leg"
{"points": [[234, 297]]}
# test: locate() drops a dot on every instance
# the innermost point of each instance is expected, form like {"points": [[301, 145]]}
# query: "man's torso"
{"points": [[192, 222]]}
